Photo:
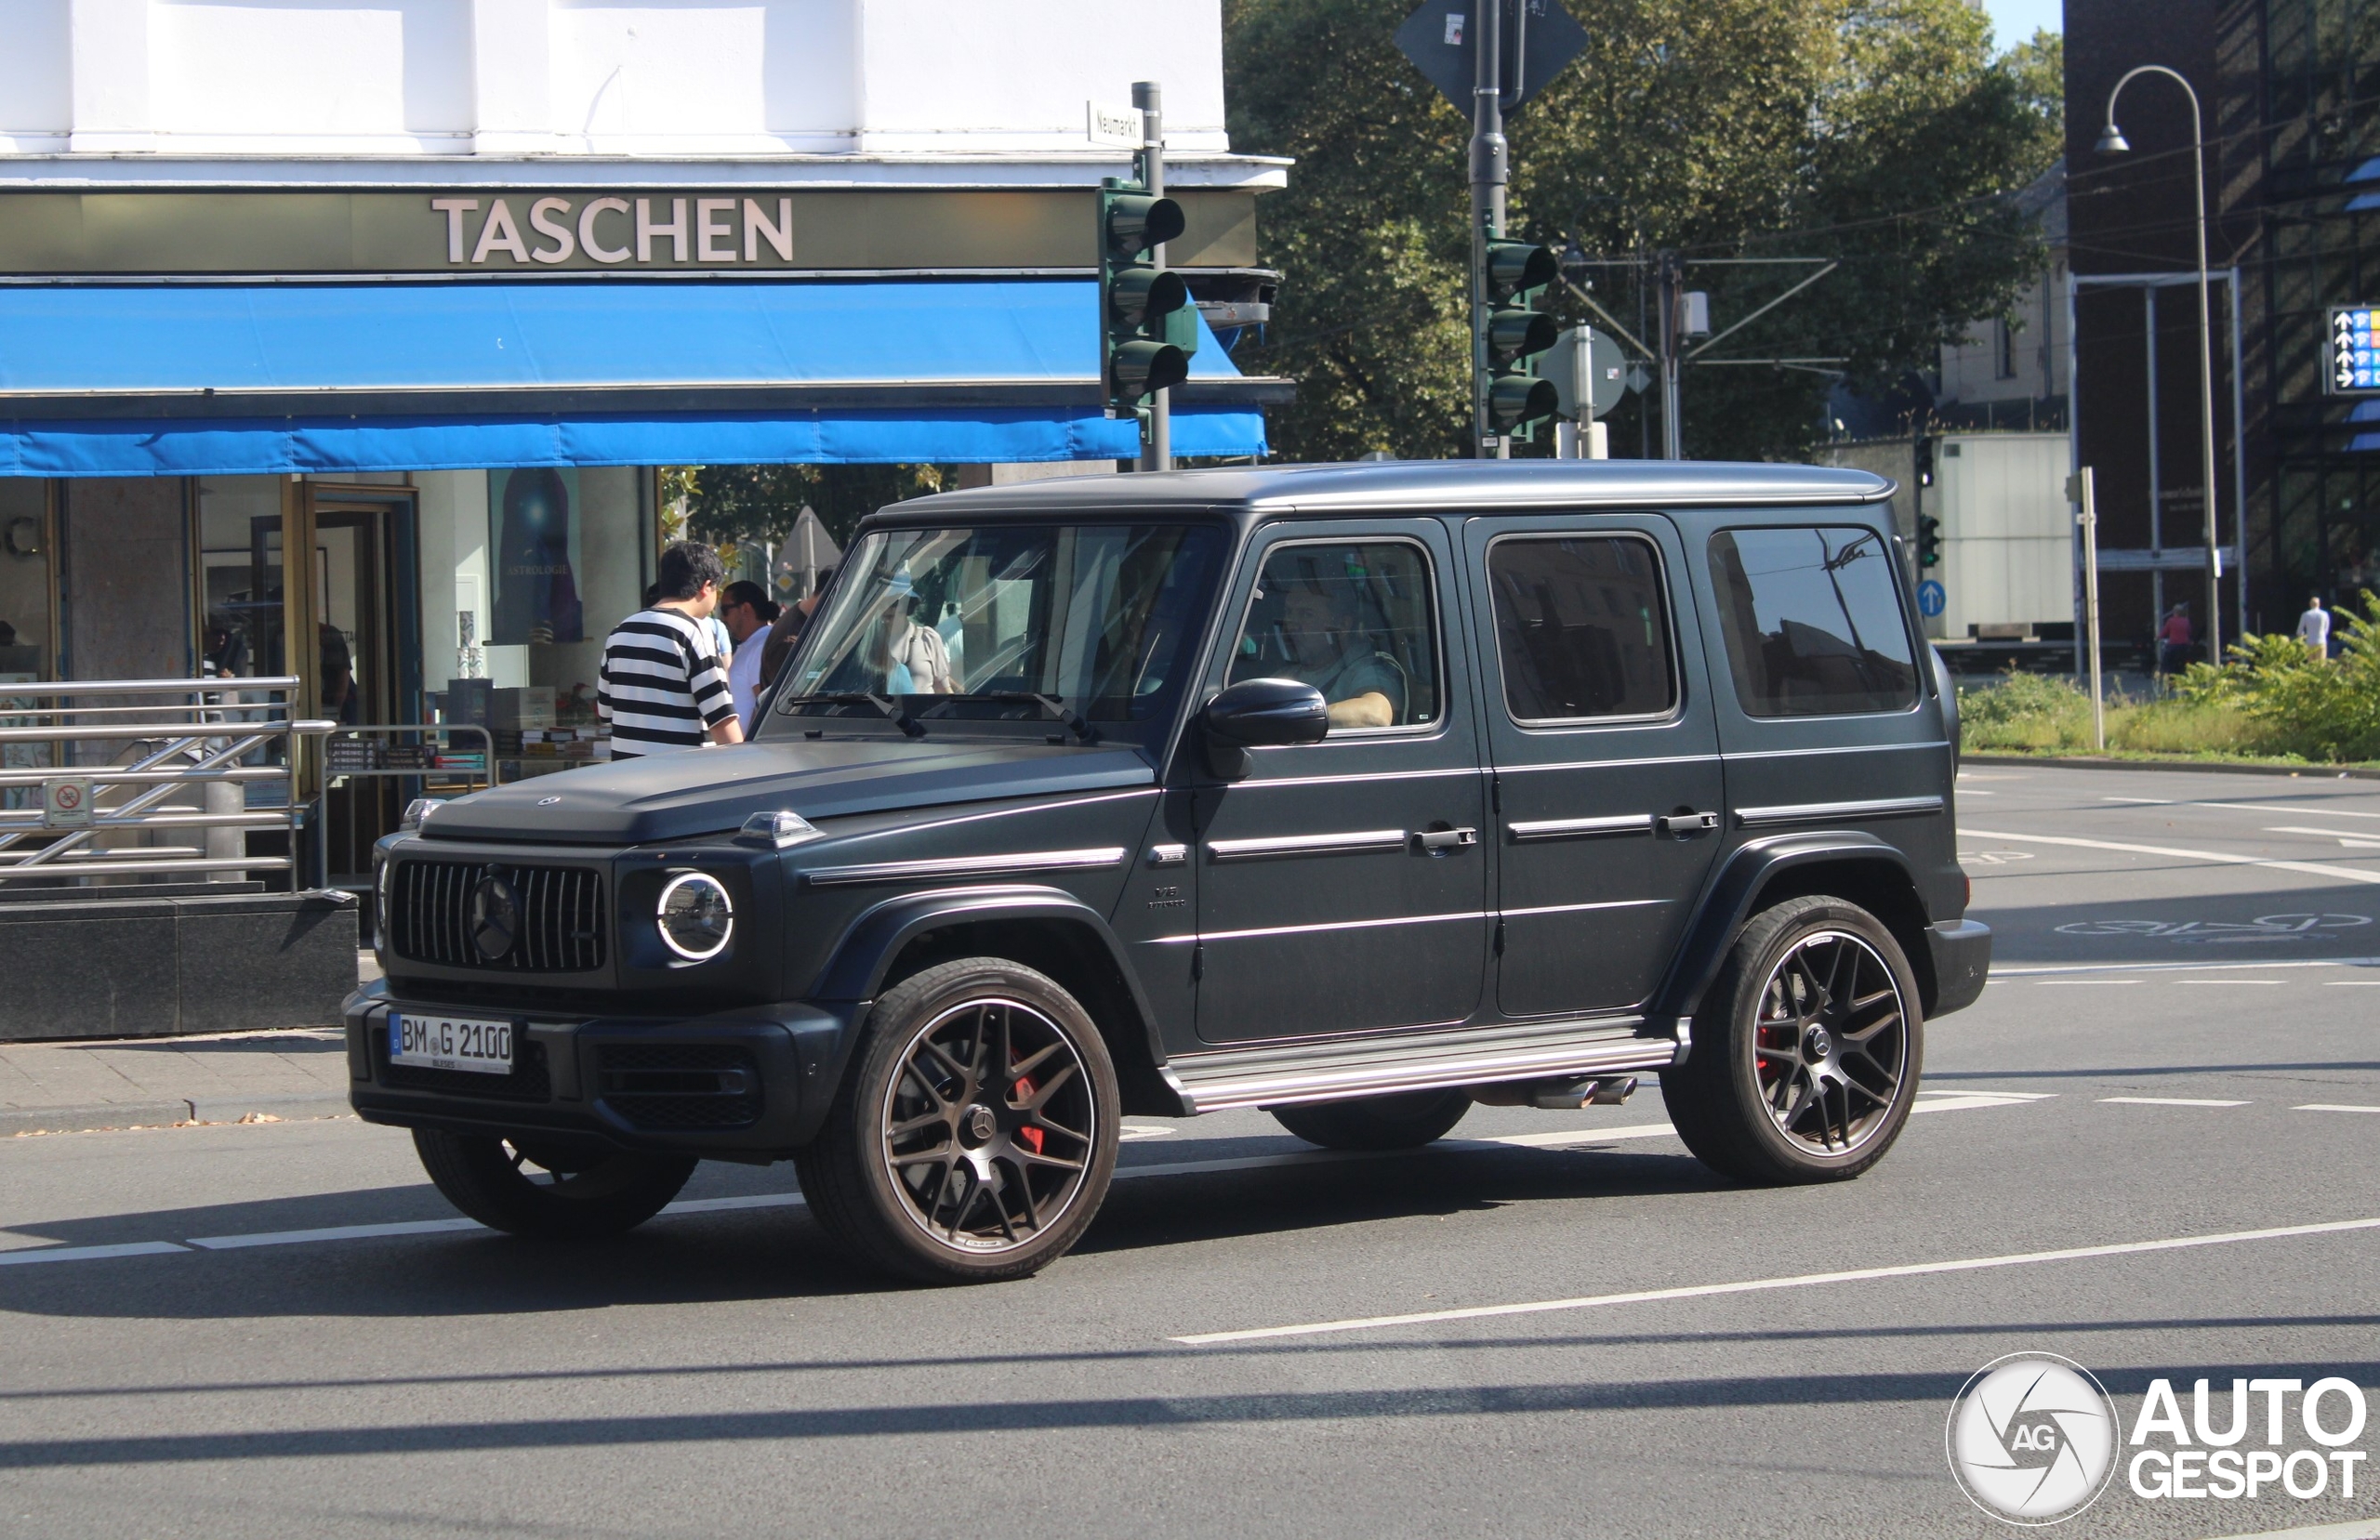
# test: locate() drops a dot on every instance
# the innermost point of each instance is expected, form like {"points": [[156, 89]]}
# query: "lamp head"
{"points": [[2112, 143]]}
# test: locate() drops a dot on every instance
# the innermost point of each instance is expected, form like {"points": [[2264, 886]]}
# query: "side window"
{"points": [[1582, 627], [1354, 620], [1812, 621]]}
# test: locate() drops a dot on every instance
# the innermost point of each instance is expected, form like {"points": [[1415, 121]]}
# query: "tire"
{"points": [[1807, 1049], [1406, 1119], [927, 1169], [547, 1189]]}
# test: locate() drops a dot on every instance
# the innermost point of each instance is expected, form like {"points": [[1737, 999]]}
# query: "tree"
{"points": [[1880, 134], [726, 505]]}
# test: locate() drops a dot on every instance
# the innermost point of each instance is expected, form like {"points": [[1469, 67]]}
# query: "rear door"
{"points": [[1606, 770], [1342, 886]]}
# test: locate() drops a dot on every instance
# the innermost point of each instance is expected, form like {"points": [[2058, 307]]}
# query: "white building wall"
{"points": [[2007, 532], [596, 77]]}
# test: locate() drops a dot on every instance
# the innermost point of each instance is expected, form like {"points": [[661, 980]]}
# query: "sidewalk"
{"points": [[126, 1083]]}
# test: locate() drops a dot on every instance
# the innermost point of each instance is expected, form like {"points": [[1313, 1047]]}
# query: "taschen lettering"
{"points": [[646, 230], [500, 234], [710, 228], [709, 232], [758, 228], [587, 242], [541, 220]]}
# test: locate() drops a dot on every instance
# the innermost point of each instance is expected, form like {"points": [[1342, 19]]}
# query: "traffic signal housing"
{"points": [[1517, 331], [1929, 540], [1147, 328]]}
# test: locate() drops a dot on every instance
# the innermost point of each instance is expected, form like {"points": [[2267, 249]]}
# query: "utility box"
{"points": [[2007, 536]]}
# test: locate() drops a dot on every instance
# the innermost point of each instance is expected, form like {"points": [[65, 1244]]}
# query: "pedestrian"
{"points": [[748, 611], [663, 685], [2174, 638], [788, 630], [2314, 627]]}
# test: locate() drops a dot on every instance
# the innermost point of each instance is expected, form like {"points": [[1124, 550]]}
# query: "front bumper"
{"points": [[751, 1084], [1962, 952]]}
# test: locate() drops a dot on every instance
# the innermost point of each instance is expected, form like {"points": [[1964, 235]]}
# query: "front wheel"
{"points": [[1403, 1120], [1806, 1051], [975, 1136], [549, 1190]]}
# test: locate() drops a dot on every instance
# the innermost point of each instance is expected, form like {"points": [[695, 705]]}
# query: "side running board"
{"points": [[1416, 1061]]}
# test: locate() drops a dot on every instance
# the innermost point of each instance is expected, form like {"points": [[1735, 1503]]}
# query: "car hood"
{"points": [[680, 795]]}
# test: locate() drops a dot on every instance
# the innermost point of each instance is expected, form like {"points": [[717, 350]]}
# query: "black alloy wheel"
{"points": [[548, 1188], [977, 1134], [1806, 1051]]}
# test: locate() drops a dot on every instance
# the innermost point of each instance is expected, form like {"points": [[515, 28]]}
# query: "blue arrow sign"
{"points": [[1931, 598]]}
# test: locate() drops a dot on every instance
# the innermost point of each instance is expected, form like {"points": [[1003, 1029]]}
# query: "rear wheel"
{"points": [[1806, 1051], [547, 1189], [1406, 1119], [975, 1135]]}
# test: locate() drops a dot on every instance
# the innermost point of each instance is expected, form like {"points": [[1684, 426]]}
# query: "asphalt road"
{"points": [[2179, 990]]}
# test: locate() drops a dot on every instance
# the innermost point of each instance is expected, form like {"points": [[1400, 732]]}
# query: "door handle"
{"points": [[1436, 840], [1689, 823]]}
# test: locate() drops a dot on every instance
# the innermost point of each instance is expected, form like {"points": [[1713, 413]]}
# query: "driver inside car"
{"points": [[1329, 651]]}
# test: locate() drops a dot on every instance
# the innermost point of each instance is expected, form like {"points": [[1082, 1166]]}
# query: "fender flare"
{"points": [[1726, 903], [855, 968]]}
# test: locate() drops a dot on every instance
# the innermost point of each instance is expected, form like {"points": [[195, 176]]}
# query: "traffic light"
{"points": [[1147, 328], [1516, 331], [1929, 540]]}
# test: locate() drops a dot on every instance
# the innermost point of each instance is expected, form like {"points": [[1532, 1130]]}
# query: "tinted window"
{"points": [[1352, 619], [1813, 622], [1582, 627]]}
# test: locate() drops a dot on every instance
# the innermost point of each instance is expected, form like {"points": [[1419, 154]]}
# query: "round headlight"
{"points": [[696, 916]]}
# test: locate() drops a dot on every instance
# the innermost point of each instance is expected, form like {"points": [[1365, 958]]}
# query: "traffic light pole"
{"points": [[1156, 448], [1672, 433], [1490, 172]]}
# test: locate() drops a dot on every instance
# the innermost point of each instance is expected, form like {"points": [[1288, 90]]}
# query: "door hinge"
{"points": [[1197, 959], [1499, 938], [1496, 794]]}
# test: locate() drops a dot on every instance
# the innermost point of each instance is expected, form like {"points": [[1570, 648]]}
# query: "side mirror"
{"points": [[1260, 714]]}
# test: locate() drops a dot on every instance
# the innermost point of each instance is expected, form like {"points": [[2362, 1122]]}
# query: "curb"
{"points": [[168, 1113], [2190, 766]]}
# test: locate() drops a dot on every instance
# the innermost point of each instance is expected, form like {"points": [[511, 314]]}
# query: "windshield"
{"points": [[1029, 622]]}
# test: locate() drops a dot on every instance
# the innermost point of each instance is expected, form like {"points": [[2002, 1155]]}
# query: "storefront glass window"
{"points": [[569, 553], [25, 610]]}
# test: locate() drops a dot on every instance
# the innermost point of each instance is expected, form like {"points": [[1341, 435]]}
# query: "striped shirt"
{"points": [[663, 686]]}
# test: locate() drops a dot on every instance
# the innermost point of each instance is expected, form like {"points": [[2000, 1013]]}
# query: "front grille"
{"points": [[559, 916], [660, 1086], [528, 1082]]}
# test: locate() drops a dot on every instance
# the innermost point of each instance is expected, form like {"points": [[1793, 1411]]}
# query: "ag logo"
{"points": [[2032, 1439]]}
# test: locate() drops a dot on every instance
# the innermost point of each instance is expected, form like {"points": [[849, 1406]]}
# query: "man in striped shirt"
{"points": [[663, 686]]}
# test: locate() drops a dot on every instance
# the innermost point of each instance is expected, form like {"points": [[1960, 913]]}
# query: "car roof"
{"points": [[1373, 487]]}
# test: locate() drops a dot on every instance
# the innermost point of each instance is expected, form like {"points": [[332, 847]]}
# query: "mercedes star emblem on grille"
{"points": [[495, 917]]}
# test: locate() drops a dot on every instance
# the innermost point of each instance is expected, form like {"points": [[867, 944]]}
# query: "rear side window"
{"points": [[1582, 627], [1812, 621]]}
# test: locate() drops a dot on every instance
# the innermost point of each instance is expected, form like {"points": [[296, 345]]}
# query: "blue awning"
{"points": [[187, 379]]}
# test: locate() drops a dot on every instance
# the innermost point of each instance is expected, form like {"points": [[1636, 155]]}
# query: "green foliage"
{"points": [[1879, 133], [727, 503], [2320, 709]]}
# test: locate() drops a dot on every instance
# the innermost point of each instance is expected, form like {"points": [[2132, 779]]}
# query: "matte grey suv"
{"points": [[1355, 792]]}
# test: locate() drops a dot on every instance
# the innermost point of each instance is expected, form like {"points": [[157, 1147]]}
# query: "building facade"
{"points": [[345, 340]]}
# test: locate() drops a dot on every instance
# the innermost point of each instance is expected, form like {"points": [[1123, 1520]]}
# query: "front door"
{"points": [[1341, 888], [1605, 757]]}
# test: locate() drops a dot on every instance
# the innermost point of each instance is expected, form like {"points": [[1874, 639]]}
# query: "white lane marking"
{"points": [[2180, 968], [1940, 1101], [2061, 983], [1799, 1281], [2167, 1102], [2344, 843], [2354, 1529], [1130, 1131], [87, 1253], [2333, 1107], [333, 1233], [2269, 983], [2304, 868], [2245, 807], [2351, 983]]}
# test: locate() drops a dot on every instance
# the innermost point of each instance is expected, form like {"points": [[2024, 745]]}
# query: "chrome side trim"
{"points": [[1589, 1052], [1582, 828], [1813, 812], [1580, 908], [1169, 855], [966, 866], [1307, 845], [1847, 748], [1615, 762], [1321, 926]]}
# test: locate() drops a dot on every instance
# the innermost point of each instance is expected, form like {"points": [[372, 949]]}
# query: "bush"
{"points": [[2304, 705]]}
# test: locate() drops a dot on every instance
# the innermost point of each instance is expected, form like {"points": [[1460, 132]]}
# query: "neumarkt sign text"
{"points": [[545, 229]]}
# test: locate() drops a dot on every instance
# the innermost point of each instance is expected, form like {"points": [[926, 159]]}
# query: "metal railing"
{"points": [[194, 735]]}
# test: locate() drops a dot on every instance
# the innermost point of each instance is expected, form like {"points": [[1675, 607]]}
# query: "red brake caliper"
{"points": [[1028, 1136]]}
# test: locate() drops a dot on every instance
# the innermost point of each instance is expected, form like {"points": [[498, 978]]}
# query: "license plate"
{"points": [[442, 1043]]}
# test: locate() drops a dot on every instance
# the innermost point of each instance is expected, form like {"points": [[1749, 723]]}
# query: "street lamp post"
{"points": [[2112, 142]]}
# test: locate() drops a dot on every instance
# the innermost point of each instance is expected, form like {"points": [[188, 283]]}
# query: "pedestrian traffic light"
{"points": [[1147, 328], [1516, 333], [1929, 540]]}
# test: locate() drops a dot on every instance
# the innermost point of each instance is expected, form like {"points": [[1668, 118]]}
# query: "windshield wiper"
{"points": [[1055, 705], [892, 710]]}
